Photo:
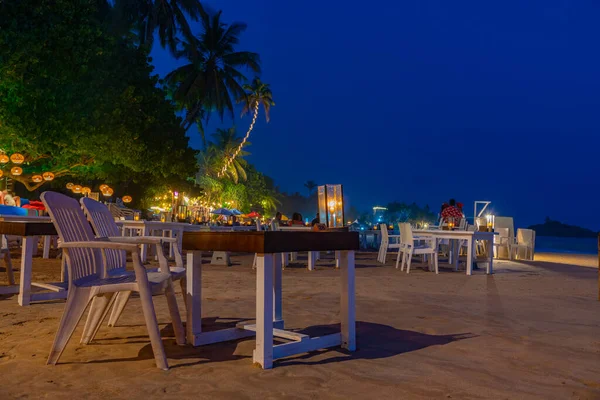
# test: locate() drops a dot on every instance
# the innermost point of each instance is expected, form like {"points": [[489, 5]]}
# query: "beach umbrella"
{"points": [[222, 211], [284, 218], [253, 214], [235, 212]]}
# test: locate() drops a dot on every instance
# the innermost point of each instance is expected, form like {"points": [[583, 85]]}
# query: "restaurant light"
{"points": [[103, 187], [77, 188], [36, 178], [16, 171], [70, 185], [1, 173], [86, 190], [127, 199], [4, 159], [108, 192], [48, 176], [331, 205], [17, 158]]}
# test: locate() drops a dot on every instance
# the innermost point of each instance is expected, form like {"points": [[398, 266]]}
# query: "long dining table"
{"points": [[268, 247], [471, 237]]}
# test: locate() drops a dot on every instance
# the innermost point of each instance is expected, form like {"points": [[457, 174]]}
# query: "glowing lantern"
{"points": [[108, 192], [331, 205], [86, 190], [48, 176], [1, 173], [70, 185], [16, 171], [127, 199], [36, 178], [77, 189], [103, 187], [17, 158], [4, 159]]}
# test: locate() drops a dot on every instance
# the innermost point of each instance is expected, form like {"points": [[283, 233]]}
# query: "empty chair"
{"points": [[387, 243], [408, 248], [502, 241], [85, 256], [524, 245], [104, 226], [502, 250]]}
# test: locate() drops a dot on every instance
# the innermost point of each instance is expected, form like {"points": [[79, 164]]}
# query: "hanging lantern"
{"points": [[16, 171], [86, 190], [1, 173], [48, 176], [77, 189], [127, 199], [17, 158], [108, 192], [4, 159], [36, 178], [103, 187], [70, 185]]}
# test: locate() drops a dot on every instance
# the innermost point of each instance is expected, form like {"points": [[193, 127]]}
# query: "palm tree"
{"points": [[229, 146], [213, 75], [168, 17], [257, 93], [310, 185]]}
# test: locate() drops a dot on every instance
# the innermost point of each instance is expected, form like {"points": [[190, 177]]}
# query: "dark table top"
{"points": [[270, 242], [27, 228]]}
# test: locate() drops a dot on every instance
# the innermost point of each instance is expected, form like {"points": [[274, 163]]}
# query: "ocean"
{"points": [[549, 244]]}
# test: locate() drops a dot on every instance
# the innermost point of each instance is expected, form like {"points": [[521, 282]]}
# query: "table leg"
{"points": [[47, 243], [311, 260], [470, 255], [337, 259], [194, 295], [263, 353], [285, 259], [490, 269], [347, 301], [26, 256], [277, 293]]}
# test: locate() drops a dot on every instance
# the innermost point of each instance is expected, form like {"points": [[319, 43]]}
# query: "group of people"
{"points": [[452, 210], [296, 220]]}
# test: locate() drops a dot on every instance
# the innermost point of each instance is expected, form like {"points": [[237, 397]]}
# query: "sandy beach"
{"points": [[530, 331]]}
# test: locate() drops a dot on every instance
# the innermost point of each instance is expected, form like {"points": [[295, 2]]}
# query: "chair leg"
{"points": [[384, 254], [10, 276], [98, 310], [403, 261], [409, 255], [398, 258], [175, 316], [435, 263], [77, 302], [183, 284], [118, 307], [152, 326]]}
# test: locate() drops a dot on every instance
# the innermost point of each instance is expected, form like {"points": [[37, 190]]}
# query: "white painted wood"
{"points": [[305, 346], [347, 301], [387, 242], [312, 258], [50, 286], [277, 291], [263, 353], [24, 297], [47, 245], [194, 295], [337, 259], [276, 332], [222, 335]]}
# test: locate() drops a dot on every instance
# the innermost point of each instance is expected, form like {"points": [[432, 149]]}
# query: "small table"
{"points": [[470, 237], [269, 317], [147, 228], [29, 230]]}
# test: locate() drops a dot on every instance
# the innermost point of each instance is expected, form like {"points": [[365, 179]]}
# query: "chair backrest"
{"points": [[104, 225], [384, 232], [503, 235], [406, 236], [526, 236], [505, 222], [72, 226]]}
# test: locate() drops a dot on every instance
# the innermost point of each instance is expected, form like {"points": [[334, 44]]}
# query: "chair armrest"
{"points": [[140, 239], [99, 244], [393, 236]]}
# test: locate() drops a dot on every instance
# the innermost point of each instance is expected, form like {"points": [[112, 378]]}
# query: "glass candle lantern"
{"points": [[490, 219], [331, 205]]}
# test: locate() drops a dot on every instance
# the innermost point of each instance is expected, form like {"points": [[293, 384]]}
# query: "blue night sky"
{"points": [[431, 99]]}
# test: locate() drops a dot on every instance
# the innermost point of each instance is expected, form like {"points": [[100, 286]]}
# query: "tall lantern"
{"points": [[331, 205]]}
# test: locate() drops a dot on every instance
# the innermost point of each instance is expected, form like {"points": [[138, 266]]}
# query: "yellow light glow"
{"points": [[16, 171], [48, 176], [4, 159], [17, 158], [36, 178]]}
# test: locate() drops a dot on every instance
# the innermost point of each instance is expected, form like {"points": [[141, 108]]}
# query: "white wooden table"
{"points": [[269, 314], [456, 236], [149, 228]]}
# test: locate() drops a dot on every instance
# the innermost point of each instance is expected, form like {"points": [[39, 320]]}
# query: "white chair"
{"points": [[104, 226], [502, 241], [524, 243], [5, 254], [86, 256], [386, 243], [501, 223], [408, 248]]}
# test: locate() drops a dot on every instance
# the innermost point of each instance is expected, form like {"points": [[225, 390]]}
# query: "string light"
{"points": [[229, 160]]}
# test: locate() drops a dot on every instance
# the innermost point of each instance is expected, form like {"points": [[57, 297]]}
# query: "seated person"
{"points": [[316, 221], [296, 220]]}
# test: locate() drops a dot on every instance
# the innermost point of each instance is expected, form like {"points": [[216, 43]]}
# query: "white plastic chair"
{"points": [[500, 224], [408, 248], [525, 242], [86, 256], [104, 226], [386, 243], [502, 241]]}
